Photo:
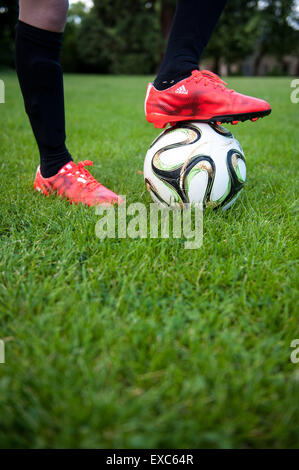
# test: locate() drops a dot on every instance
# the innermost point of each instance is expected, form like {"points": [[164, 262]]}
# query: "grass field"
{"points": [[141, 343]]}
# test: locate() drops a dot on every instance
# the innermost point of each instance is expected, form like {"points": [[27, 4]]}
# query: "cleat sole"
{"points": [[160, 121]]}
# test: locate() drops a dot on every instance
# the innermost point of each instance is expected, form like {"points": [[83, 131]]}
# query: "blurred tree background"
{"points": [[129, 36]]}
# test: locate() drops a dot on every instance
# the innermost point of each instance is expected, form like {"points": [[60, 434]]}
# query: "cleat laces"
{"points": [[209, 78], [91, 182]]}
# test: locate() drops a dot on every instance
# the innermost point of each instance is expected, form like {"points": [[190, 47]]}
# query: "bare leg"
{"points": [[44, 14]]}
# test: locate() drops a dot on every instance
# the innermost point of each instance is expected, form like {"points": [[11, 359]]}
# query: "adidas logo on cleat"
{"points": [[181, 90]]}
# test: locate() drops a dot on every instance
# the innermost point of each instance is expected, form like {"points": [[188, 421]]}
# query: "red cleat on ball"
{"points": [[201, 97]]}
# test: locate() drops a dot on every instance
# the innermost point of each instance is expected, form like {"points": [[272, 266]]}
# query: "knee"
{"points": [[54, 13], [45, 14]]}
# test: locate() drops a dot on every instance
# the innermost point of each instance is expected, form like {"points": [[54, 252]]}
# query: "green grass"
{"points": [[141, 343]]}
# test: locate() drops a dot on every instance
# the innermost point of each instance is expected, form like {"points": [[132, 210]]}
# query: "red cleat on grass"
{"points": [[76, 184], [201, 97]]}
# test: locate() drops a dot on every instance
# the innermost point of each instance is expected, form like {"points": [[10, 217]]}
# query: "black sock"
{"points": [[192, 27], [37, 57]]}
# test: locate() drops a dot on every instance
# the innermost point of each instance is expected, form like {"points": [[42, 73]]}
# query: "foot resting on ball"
{"points": [[76, 184], [201, 97]]}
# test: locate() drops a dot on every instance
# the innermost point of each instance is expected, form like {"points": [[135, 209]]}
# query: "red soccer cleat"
{"points": [[201, 97], [76, 184]]}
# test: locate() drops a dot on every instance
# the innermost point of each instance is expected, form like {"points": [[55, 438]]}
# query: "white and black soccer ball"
{"points": [[194, 162]]}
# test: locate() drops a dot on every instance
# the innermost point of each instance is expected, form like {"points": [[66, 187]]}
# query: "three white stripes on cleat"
{"points": [[181, 90]]}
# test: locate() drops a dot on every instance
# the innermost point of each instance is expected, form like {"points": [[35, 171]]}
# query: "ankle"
{"points": [[50, 166], [162, 82]]}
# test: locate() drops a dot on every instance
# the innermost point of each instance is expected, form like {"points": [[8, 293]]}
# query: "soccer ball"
{"points": [[194, 162]]}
